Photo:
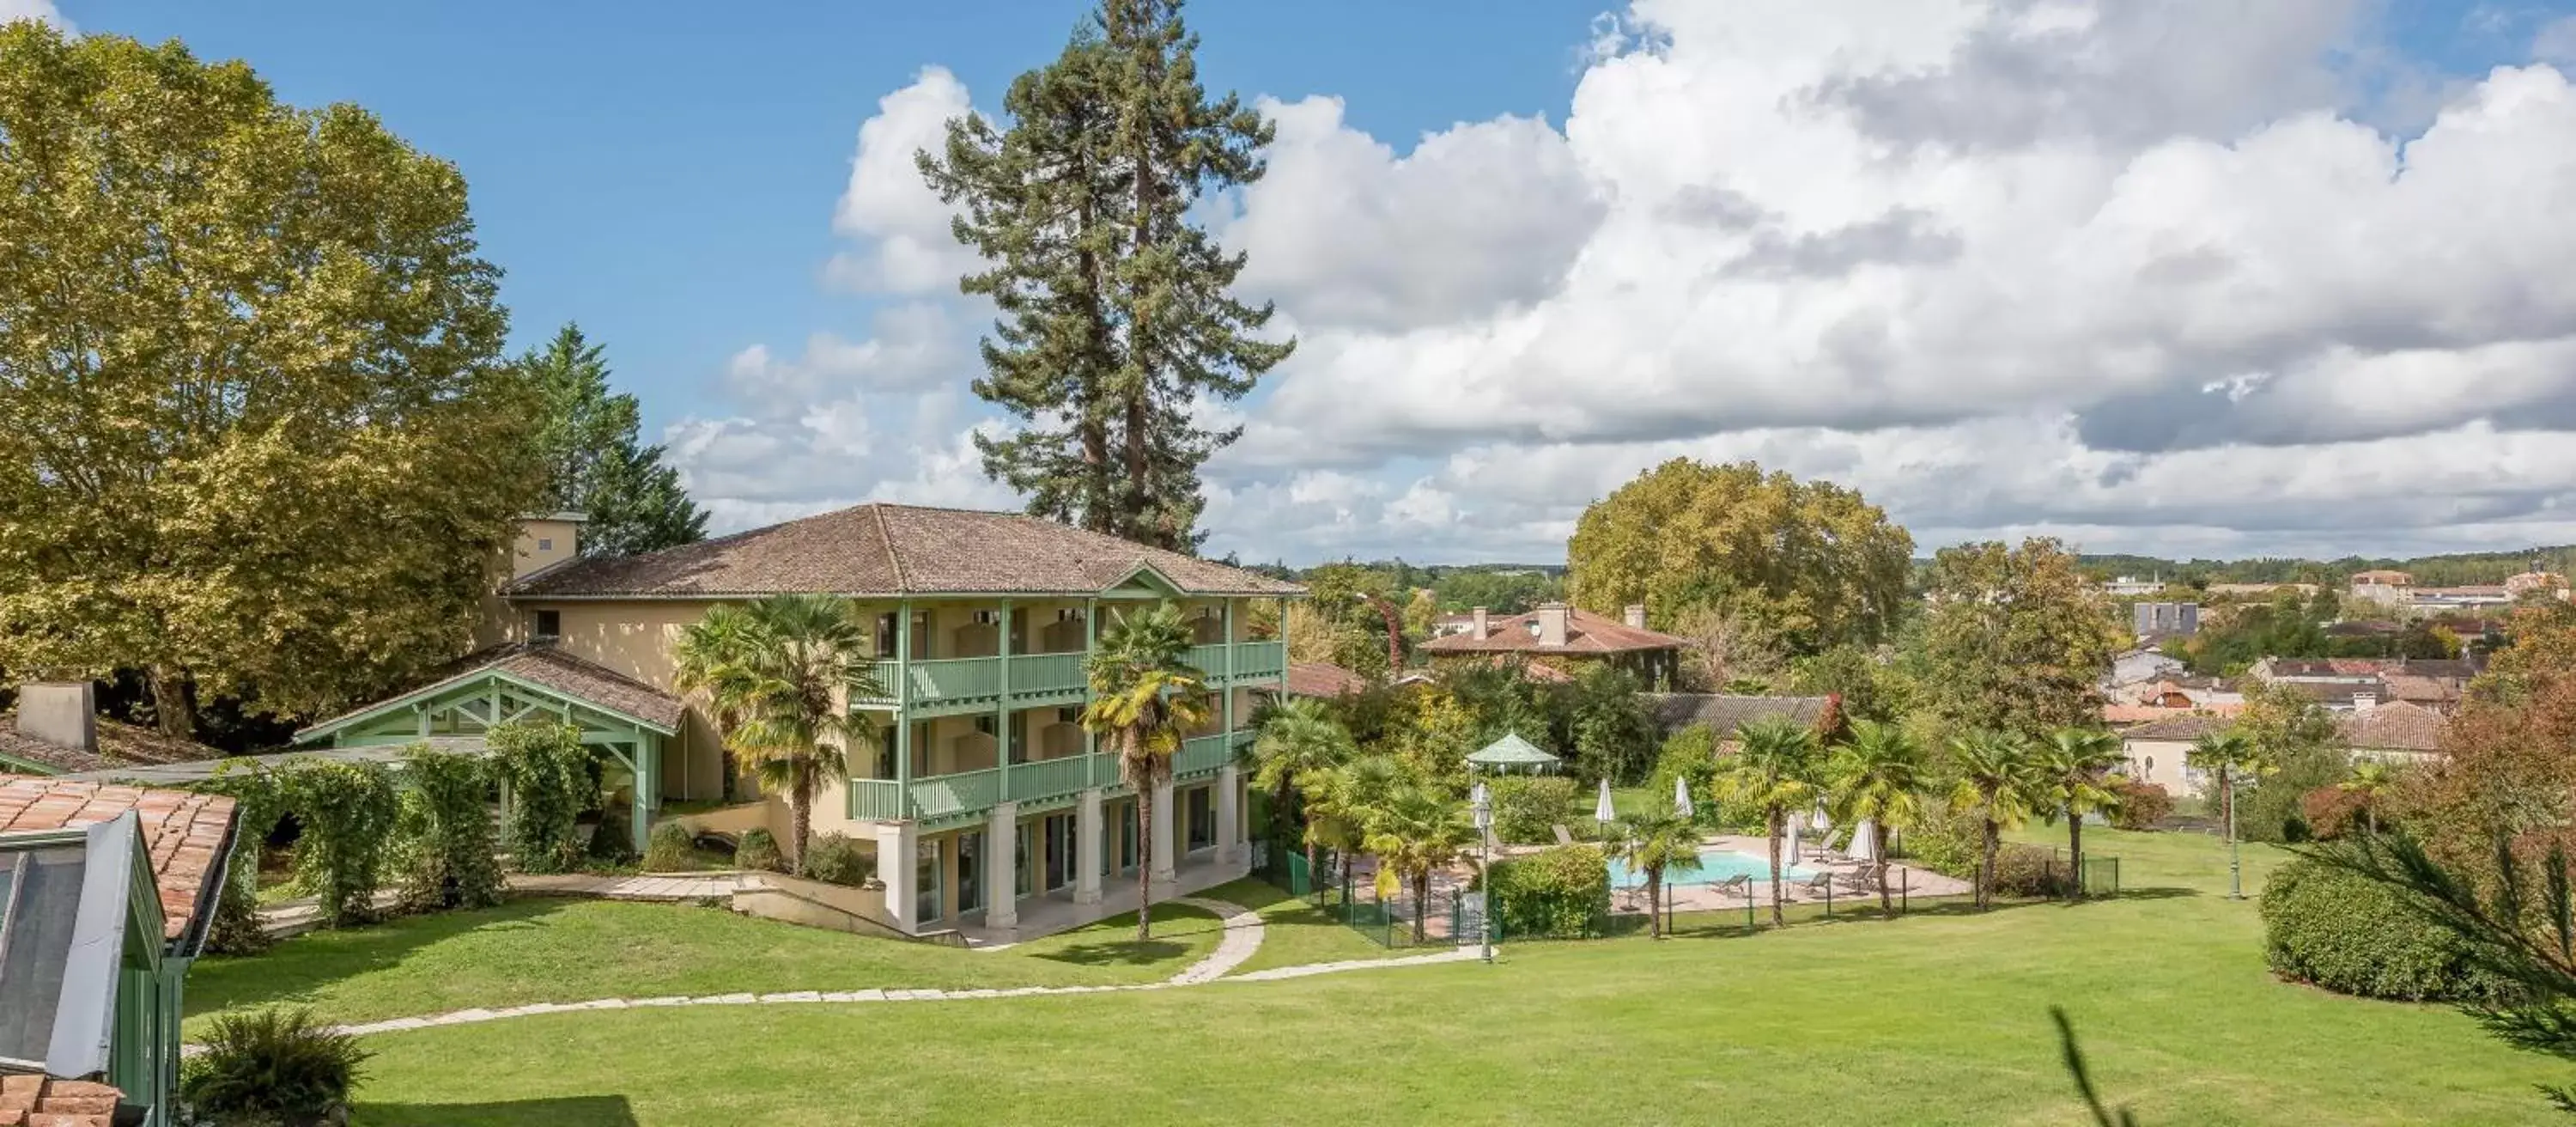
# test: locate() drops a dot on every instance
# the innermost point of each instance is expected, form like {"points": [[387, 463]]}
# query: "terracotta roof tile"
{"points": [[2396, 726], [884, 549], [1322, 679], [543, 664], [1585, 633], [184, 842]]}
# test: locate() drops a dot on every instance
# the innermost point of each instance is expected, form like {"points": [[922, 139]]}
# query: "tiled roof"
{"points": [[42, 1101], [1322, 679], [2124, 714], [883, 549], [2393, 727], [119, 744], [2423, 690], [1676, 711], [2183, 729], [541, 663], [187, 834], [1585, 633]]}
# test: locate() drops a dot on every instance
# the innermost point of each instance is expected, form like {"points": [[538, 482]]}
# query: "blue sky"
{"points": [[2193, 277], [664, 173]]}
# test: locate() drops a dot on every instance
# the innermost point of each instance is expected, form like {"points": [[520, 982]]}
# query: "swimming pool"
{"points": [[1715, 865]]}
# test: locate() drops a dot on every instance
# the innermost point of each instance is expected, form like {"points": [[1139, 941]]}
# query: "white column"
{"points": [[1088, 827], [1165, 859], [1229, 814], [1001, 851], [897, 847]]}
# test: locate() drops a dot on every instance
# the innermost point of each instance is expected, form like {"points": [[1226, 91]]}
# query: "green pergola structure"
{"points": [[1512, 751], [455, 713]]}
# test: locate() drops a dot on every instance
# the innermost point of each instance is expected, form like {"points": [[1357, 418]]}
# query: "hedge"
{"points": [[838, 860], [446, 833], [758, 852], [2142, 805], [2347, 933], [549, 775], [1563, 891], [1527, 808]]}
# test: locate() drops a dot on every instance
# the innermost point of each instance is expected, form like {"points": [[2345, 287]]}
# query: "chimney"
{"points": [[1635, 616], [1552, 624], [1484, 624], [2364, 702], [62, 713]]}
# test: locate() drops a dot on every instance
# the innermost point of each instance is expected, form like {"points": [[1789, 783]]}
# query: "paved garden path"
{"points": [[1243, 934]]}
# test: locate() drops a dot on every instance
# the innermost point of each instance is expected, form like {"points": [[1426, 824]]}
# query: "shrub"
{"points": [[1691, 757], [1943, 842], [2331, 811], [2030, 870], [2141, 806], [272, 1065], [549, 776], [1563, 891], [259, 801], [670, 848], [1527, 807], [445, 833], [2270, 810], [348, 812], [612, 842], [759, 852], [2353, 935], [837, 859]]}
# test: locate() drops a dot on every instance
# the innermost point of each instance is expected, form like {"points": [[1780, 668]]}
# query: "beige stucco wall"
{"points": [[2160, 762]]}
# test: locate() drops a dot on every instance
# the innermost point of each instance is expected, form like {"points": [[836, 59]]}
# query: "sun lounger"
{"points": [[1564, 836]]}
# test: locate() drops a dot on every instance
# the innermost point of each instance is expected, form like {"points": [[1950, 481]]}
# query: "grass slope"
{"points": [[1932, 1019], [555, 950]]}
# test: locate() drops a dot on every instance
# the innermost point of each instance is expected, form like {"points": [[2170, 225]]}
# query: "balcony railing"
{"points": [[1202, 755], [969, 794], [951, 680], [1048, 778]]}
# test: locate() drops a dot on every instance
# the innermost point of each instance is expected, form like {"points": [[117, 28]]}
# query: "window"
{"points": [[1068, 614], [549, 624], [1202, 818], [885, 635], [984, 724], [545, 544], [1069, 714]]}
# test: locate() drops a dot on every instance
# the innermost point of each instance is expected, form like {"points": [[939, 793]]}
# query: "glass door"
{"points": [[970, 871], [1021, 878], [925, 883], [1059, 851], [1127, 836]]}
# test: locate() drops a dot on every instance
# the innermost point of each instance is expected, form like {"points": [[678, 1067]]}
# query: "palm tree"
{"points": [[1653, 844], [1877, 775], [1416, 829], [2371, 781], [1143, 696], [776, 675], [1773, 771], [1299, 747], [1995, 782], [1339, 804], [2070, 768]]}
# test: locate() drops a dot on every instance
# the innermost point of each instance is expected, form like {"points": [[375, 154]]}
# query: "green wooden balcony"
{"points": [[972, 794], [937, 683]]}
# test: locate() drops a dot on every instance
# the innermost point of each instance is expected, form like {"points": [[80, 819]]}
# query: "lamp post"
{"points": [[2235, 871], [1481, 801]]}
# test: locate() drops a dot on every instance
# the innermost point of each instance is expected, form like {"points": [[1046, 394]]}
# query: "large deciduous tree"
{"points": [[254, 439], [596, 462], [1805, 564], [2016, 639], [1116, 310]]}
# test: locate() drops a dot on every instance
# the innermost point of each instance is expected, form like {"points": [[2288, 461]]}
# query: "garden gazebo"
{"points": [[1512, 751]]}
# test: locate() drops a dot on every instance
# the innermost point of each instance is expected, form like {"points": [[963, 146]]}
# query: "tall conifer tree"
{"points": [[1116, 311]]}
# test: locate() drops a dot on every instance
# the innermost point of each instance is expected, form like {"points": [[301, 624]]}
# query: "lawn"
{"points": [[1296, 934], [1936, 1018], [541, 949]]}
